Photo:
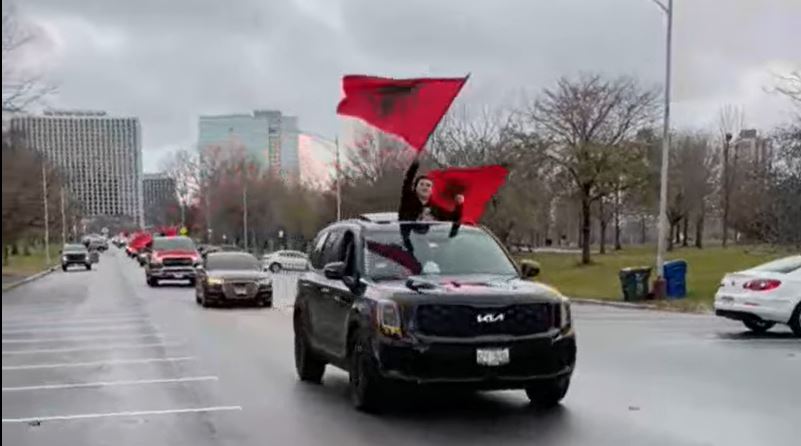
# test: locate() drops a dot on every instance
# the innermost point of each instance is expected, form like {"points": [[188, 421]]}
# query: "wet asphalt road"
{"points": [[98, 358]]}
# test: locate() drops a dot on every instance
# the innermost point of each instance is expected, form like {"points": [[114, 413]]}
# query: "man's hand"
{"points": [[459, 199]]}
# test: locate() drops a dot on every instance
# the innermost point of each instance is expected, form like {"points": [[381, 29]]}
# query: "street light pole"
{"points": [[245, 212], [63, 220], [662, 225], [46, 213], [338, 180]]}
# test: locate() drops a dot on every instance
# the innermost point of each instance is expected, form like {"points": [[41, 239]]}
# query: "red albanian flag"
{"points": [[476, 184], [407, 108]]}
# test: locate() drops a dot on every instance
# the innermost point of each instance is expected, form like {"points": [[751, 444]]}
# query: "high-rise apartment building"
{"points": [[100, 157], [160, 199], [267, 135]]}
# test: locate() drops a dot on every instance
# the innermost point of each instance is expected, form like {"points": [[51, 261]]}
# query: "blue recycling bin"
{"points": [[675, 274]]}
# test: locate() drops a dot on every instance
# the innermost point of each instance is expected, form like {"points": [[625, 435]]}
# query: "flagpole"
{"points": [[339, 182]]}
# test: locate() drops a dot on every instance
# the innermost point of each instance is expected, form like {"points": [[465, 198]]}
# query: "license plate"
{"points": [[177, 276], [726, 299], [492, 356], [241, 291]]}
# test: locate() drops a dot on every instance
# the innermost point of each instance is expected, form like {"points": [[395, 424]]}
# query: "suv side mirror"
{"points": [[529, 269], [334, 270]]}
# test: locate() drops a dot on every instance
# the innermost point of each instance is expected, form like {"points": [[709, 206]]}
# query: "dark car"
{"points": [[429, 304], [75, 254], [171, 258], [232, 277]]}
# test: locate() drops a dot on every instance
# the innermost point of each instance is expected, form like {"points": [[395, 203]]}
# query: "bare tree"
{"points": [[21, 88], [585, 122], [730, 121], [790, 86]]}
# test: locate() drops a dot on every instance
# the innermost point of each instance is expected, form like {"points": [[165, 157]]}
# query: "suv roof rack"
{"points": [[380, 217]]}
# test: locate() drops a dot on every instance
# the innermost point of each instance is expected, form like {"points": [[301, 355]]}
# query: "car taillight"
{"points": [[762, 284]]}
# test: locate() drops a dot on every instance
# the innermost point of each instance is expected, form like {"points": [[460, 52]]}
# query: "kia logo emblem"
{"points": [[489, 318]]}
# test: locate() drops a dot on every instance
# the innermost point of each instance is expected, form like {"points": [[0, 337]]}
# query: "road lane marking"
{"points": [[80, 339], [138, 413], [125, 326], [111, 383], [96, 363], [88, 349], [67, 323]]}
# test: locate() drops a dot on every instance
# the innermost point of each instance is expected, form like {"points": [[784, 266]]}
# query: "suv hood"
{"points": [[469, 289]]}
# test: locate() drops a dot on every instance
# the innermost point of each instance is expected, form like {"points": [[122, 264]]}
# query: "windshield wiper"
{"points": [[417, 284]]}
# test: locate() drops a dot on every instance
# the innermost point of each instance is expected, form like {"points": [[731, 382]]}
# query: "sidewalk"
{"points": [[11, 281]]}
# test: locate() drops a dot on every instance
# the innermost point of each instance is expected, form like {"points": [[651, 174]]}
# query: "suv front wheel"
{"points": [[308, 366], [366, 384]]}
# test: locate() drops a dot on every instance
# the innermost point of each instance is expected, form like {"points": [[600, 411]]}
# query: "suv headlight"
{"points": [[388, 317], [215, 281], [565, 318]]}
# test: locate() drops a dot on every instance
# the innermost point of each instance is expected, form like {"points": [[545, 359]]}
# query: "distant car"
{"points": [[763, 296], [232, 277], [285, 260], [171, 258], [75, 254]]}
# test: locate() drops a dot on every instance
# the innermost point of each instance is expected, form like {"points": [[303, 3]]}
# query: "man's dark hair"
{"points": [[418, 179]]}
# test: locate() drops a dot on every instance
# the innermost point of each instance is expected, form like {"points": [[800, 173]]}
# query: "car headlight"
{"points": [[215, 281], [64, 258], [389, 320], [565, 318]]}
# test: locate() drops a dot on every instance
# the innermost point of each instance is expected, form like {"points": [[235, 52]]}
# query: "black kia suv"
{"points": [[399, 303]]}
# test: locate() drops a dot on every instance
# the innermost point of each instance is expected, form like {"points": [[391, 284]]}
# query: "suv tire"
{"points": [[88, 266], [795, 321], [63, 267], [308, 366], [365, 383], [548, 394], [152, 282], [758, 326]]}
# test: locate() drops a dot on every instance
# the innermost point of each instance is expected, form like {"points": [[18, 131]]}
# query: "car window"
{"points": [[332, 248], [416, 249], [173, 243], [74, 248], [238, 262], [316, 257], [782, 266]]}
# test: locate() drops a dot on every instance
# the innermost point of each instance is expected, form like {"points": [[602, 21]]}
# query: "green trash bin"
{"points": [[634, 283]]}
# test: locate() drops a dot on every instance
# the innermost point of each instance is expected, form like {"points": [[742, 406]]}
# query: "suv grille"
{"points": [[462, 321], [177, 262]]}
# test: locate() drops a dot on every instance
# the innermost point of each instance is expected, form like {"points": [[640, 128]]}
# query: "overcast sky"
{"points": [[168, 61]]}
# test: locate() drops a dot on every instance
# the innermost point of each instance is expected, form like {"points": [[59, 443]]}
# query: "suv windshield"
{"points": [[421, 249], [169, 243], [230, 262], [74, 248]]}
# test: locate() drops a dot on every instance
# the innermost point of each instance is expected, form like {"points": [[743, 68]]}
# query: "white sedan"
{"points": [[285, 260], [763, 296]]}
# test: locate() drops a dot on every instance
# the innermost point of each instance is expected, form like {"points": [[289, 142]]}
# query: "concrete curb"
{"points": [[608, 303], [28, 279]]}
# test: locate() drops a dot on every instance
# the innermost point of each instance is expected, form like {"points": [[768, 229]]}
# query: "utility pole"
{"points": [[63, 220], [662, 225], [726, 187], [46, 213]]}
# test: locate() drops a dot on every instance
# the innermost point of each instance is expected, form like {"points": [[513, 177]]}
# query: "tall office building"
{"points": [[160, 199], [100, 157], [267, 135]]}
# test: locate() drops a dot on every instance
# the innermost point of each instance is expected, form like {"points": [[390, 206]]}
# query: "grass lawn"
{"points": [[705, 268], [21, 265]]}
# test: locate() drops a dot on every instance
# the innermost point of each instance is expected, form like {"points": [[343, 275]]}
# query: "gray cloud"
{"points": [[169, 61]]}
